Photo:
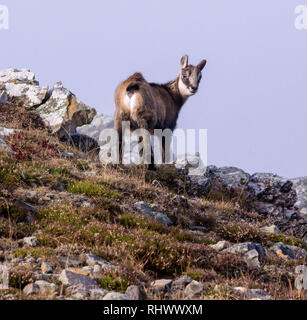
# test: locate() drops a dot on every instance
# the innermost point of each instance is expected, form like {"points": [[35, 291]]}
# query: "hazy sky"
{"points": [[253, 95]]}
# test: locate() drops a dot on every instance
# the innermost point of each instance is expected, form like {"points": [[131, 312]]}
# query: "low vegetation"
{"points": [[72, 212]]}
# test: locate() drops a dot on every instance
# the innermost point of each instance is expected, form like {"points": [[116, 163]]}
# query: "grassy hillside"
{"points": [[75, 206]]}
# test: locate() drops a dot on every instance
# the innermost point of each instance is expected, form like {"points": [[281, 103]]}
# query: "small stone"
{"points": [[67, 155], [31, 288], [69, 262], [179, 285], [89, 173], [270, 229], [163, 218], [98, 294], [71, 278], [221, 245], [46, 268], [45, 276], [252, 259], [253, 294], [88, 270], [92, 260], [194, 290], [161, 284], [30, 241], [181, 282], [288, 252], [136, 293], [86, 204], [115, 296], [46, 288], [240, 248], [145, 209], [97, 268], [81, 271], [77, 292]]}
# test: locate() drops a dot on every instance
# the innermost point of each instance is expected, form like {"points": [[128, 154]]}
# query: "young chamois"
{"points": [[155, 106]]}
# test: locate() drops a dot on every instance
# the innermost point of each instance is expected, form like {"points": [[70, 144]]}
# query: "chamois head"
{"points": [[189, 76]]}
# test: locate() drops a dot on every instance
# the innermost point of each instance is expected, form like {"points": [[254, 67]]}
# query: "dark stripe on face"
{"points": [[191, 76]]}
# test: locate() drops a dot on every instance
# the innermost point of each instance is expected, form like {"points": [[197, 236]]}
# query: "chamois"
{"points": [[155, 106]]}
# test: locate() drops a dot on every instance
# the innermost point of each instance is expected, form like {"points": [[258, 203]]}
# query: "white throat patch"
{"points": [[183, 89]]}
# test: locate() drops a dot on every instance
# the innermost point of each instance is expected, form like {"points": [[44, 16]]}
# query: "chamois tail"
{"points": [[132, 88]]}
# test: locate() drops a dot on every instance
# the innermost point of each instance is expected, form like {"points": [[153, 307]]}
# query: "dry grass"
{"points": [[142, 248]]}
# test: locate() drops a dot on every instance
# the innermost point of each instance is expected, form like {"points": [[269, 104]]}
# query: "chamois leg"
{"points": [[166, 150], [118, 128], [145, 121], [146, 146], [120, 148]]}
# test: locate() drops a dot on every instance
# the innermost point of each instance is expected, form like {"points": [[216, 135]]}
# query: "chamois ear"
{"points": [[184, 61], [202, 64]]}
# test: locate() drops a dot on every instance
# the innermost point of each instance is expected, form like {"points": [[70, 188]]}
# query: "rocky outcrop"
{"points": [[280, 200], [269, 194], [71, 277], [288, 252], [59, 108], [63, 112], [17, 75], [86, 137], [194, 164], [99, 123], [300, 186], [146, 210], [82, 231], [22, 84]]}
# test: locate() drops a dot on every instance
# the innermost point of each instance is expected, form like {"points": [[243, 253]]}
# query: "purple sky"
{"points": [[253, 95]]}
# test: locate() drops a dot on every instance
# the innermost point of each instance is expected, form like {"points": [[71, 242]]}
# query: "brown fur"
{"points": [[156, 106]]}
